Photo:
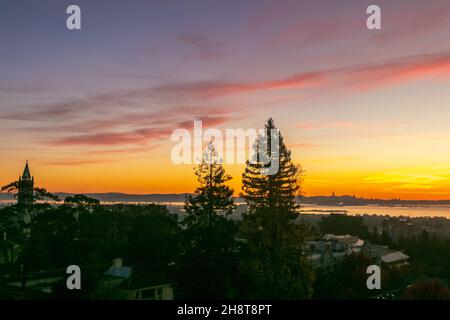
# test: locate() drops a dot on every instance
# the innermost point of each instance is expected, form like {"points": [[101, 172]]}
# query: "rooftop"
{"points": [[394, 257], [118, 272]]}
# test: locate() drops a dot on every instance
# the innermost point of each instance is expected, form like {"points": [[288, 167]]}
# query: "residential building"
{"points": [[124, 282]]}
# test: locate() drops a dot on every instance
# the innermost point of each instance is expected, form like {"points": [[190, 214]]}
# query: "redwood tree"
{"points": [[274, 240]]}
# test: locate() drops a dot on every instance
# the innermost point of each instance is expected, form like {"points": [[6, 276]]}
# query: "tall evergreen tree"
{"points": [[207, 268], [274, 240], [277, 191], [212, 196]]}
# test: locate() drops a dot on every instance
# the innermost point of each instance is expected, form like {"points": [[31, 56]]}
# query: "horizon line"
{"points": [[234, 196]]}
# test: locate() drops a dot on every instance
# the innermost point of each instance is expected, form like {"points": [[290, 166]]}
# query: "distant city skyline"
{"points": [[365, 112]]}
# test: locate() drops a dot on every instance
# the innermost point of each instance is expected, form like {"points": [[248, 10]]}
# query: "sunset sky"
{"points": [[364, 112]]}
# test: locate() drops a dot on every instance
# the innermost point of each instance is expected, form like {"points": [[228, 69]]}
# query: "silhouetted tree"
{"points": [[207, 266], [374, 236], [153, 239], [12, 222], [212, 196], [344, 224], [275, 257], [385, 239], [39, 193], [346, 281], [81, 200], [51, 238], [427, 290], [276, 192]]}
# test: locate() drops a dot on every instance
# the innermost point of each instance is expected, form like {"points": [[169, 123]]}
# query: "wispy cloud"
{"points": [[136, 136], [356, 78], [374, 126], [202, 45], [308, 33], [77, 163], [337, 26], [422, 20], [127, 150], [111, 138], [136, 116], [19, 89]]}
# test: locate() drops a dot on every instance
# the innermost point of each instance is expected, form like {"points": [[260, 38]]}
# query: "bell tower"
{"points": [[26, 188]]}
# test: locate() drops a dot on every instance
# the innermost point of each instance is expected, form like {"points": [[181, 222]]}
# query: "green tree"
{"points": [[39, 193], [12, 222], [212, 196], [385, 239], [427, 290], [276, 192], [81, 200], [153, 238], [51, 242], [374, 236], [347, 281], [344, 224], [275, 258], [207, 267]]}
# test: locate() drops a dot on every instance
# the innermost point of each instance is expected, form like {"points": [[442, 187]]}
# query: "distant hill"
{"points": [[319, 200], [347, 200], [117, 197], [124, 197], [344, 200], [6, 196]]}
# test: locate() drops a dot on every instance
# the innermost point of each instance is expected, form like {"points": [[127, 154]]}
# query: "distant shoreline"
{"points": [[334, 201], [403, 210]]}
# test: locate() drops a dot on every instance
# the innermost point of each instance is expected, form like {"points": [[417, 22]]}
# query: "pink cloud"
{"points": [[203, 45], [76, 163], [145, 124], [113, 138], [403, 24], [131, 150], [358, 78], [399, 71], [136, 136], [334, 125]]}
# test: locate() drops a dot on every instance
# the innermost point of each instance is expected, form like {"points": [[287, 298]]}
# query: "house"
{"points": [[385, 257], [395, 259], [129, 283], [42, 283], [331, 250]]}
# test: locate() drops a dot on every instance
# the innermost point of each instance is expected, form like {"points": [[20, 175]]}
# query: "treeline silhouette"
{"points": [[206, 255]]}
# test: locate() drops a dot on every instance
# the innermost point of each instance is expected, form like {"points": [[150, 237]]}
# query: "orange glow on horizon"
{"points": [[407, 184]]}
